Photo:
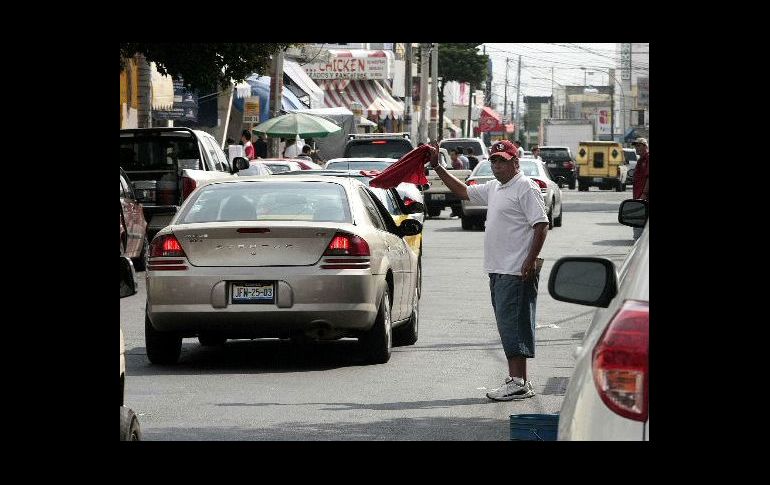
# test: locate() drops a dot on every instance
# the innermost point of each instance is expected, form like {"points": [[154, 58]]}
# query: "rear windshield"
{"points": [[554, 154], [358, 165], [450, 145], [277, 168], [529, 168], [378, 148], [289, 201], [158, 153]]}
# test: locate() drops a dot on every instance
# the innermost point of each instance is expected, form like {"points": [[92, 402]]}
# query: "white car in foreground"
{"points": [[608, 394]]}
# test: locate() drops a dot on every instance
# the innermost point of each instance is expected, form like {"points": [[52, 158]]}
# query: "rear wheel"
{"points": [[572, 184], [129, 425], [407, 334], [378, 342], [162, 347], [582, 186], [466, 222], [557, 220]]}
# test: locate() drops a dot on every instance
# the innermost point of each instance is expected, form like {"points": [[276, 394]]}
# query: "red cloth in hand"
{"points": [[409, 168]]}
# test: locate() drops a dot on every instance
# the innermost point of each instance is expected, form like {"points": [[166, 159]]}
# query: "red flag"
{"points": [[409, 168]]}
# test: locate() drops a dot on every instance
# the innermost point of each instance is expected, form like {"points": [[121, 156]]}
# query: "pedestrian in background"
{"points": [[472, 160], [457, 163], [536, 152], [305, 155], [516, 228], [463, 158], [260, 146], [641, 176], [519, 150], [248, 148]]}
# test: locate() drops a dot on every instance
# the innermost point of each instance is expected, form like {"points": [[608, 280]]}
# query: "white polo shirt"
{"points": [[512, 209]]}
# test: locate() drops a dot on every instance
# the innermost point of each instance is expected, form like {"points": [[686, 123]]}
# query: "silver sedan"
{"points": [[533, 168], [316, 257]]}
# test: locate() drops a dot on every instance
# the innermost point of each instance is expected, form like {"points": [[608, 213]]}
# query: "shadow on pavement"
{"points": [[615, 242]]}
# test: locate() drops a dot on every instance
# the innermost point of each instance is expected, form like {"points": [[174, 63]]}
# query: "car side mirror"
{"points": [[415, 207], [633, 212], [409, 227], [583, 280], [240, 163], [128, 284]]}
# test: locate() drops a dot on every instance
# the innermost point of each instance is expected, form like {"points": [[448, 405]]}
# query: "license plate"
{"points": [[598, 179], [439, 196], [553, 164], [253, 292]]}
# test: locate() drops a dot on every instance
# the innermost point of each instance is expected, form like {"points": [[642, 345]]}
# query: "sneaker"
{"points": [[513, 389]]}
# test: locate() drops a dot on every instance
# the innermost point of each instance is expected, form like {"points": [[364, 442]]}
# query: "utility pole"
{"points": [[518, 90], [145, 92], [470, 104], [423, 93], [276, 96], [505, 96], [488, 94], [433, 128], [552, 98], [611, 81], [408, 89]]}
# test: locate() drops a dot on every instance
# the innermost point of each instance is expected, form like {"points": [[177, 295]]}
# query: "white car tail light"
{"points": [[166, 247], [621, 362]]}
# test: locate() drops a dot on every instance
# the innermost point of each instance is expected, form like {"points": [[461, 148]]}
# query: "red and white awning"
{"points": [[374, 98]]}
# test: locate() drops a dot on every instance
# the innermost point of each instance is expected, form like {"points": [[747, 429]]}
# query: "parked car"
{"points": [[278, 166], [473, 214], [303, 163], [256, 167], [377, 145], [359, 163], [608, 394], [166, 164], [129, 423], [560, 162], [133, 227], [309, 256], [631, 158]]}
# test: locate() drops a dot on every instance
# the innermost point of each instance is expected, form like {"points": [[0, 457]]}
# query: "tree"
{"points": [[203, 65], [462, 63]]}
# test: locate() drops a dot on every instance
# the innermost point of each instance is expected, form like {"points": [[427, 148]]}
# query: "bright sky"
{"points": [[537, 61]]}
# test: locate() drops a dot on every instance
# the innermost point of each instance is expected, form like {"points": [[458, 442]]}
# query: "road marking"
{"points": [[553, 325]]}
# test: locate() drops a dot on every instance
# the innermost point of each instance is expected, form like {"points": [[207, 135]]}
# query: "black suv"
{"points": [[378, 145], [560, 161]]}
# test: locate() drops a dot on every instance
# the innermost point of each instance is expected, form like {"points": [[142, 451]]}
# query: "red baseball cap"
{"points": [[505, 149]]}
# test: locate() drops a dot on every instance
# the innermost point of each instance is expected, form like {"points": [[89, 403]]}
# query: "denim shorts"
{"points": [[513, 301]]}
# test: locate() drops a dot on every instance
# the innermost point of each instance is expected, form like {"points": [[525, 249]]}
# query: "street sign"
{"points": [[251, 110], [643, 85]]}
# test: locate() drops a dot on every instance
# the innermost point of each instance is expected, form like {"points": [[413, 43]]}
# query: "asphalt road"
{"points": [[433, 390]]}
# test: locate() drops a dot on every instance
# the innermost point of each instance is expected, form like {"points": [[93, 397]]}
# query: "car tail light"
{"points": [[344, 244], [568, 165], [408, 201], [379, 142], [543, 185], [166, 247], [188, 185], [471, 182], [621, 362]]}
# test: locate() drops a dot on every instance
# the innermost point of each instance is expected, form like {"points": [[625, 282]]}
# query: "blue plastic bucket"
{"points": [[534, 427]]}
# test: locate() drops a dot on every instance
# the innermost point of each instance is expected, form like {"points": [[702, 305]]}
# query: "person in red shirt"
{"points": [[641, 175], [248, 148]]}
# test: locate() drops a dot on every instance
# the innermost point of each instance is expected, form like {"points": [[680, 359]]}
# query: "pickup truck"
{"points": [[438, 196], [166, 164]]}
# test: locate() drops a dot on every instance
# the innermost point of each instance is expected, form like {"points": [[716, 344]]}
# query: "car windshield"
{"points": [[358, 165], [378, 148], [289, 201], [529, 168], [554, 154], [158, 153]]}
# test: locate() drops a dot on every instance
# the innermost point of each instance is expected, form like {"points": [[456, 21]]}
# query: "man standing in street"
{"points": [[519, 149], [516, 228], [641, 176]]}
